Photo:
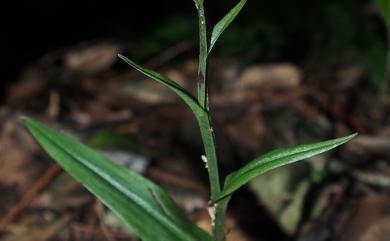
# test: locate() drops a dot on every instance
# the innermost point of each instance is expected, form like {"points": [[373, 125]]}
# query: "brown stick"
{"points": [[100, 212], [169, 178], [29, 196]]}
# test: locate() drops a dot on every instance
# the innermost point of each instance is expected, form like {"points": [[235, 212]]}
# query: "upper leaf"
{"points": [[179, 90], [225, 22], [276, 158], [143, 205], [200, 114]]}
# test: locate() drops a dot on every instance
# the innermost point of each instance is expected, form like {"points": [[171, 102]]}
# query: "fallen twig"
{"points": [[29, 196], [169, 178], [100, 212]]}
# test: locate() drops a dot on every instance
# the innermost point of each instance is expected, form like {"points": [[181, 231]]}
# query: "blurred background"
{"points": [[284, 73]]}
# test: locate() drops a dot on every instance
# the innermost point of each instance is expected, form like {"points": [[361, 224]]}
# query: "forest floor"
{"points": [[87, 92]]}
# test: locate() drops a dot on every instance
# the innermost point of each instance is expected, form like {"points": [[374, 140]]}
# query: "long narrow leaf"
{"points": [[201, 116], [276, 158], [179, 90], [144, 206], [225, 22]]}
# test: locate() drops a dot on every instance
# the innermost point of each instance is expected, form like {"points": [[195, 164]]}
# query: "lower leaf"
{"points": [[276, 158], [143, 205]]}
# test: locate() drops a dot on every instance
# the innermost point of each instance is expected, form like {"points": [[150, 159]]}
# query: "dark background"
{"points": [[265, 31]]}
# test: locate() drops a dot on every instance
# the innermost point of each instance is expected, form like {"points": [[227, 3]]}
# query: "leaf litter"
{"points": [[271, 105]]}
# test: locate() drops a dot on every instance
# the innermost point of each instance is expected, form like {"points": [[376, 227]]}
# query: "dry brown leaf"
{"points": [[272, 75], [92, 59]]}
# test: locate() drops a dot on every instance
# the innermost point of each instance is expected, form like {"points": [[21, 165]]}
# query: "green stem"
{"points": [[204, 121], [212, 167], [202, 71], [219, 222], [206, 129], [207, 133]]}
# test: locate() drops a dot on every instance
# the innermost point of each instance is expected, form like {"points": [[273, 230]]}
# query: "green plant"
{"points": [[143, 205]]}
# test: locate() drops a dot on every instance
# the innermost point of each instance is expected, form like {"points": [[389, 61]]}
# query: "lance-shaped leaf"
{"points": [[276, 158], [200, 114], [179, 90], [144, 206], [225, 22]]}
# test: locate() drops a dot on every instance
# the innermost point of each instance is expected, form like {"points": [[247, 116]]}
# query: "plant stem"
{"points": [[202, 71], [212, 168], [204, 121], [207, 133], [219, 222], [206, 128]]}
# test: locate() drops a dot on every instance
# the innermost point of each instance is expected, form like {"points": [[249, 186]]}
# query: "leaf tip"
{"points": [[350, 137], [127, 60], [26, 120], [121, 56]]}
